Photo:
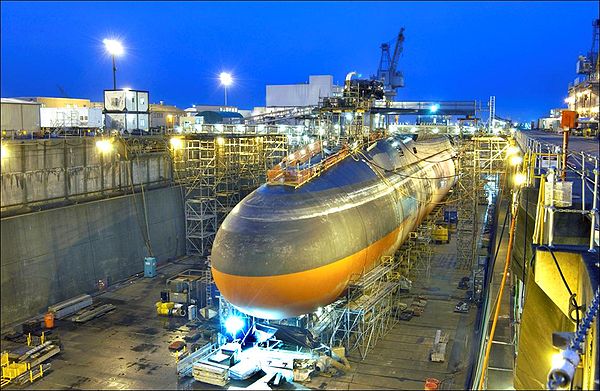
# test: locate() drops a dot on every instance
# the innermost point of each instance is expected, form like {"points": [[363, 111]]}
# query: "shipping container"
{"points": [[82, 117], [17, 115]]}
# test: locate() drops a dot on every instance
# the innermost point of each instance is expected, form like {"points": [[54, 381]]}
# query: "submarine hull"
{"points": [[285, 251]]}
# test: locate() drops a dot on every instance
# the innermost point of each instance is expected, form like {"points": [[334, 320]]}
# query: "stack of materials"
{"points": [[27, 364], [211, 374], [92, 313], [244, 369], [418, 305], [438, 352], [71, 306]]}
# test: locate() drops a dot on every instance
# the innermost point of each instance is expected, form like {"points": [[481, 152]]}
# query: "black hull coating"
{"points": [[359, 203]]}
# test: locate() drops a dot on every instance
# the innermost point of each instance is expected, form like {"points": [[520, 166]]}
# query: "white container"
{"points": [[562, 194]]}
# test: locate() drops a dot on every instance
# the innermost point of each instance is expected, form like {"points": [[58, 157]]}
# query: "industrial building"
{"points": [[584, 91], [323, 241], [164, 117], [299, 95], [59, 103], [126, 110], [19, 116]]}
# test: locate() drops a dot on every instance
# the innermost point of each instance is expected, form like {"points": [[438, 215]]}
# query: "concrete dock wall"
{"points": [[74, 169], [52, 255]]}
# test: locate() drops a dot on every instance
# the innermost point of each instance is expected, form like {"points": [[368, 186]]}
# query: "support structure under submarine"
{"points": [[296, 242]]}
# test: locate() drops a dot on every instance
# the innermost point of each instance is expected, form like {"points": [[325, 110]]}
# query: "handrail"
{"points": [[285, 174]]}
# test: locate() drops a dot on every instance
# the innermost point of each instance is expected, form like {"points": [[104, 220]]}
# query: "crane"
{"points": [[62, 91], [588, 65], [388, 72]]}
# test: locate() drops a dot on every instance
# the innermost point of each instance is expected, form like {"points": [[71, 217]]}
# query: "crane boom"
{"points": [[388, 72]]}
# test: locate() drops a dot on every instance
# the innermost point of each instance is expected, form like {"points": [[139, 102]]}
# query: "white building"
{"points": [[19, 115], [126, 110], [80, 117], [299, 95]]}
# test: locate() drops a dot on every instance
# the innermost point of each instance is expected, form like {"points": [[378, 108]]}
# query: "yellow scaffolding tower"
{"points": [[216, 172]]}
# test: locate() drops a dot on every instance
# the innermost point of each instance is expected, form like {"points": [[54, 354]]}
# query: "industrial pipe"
{"points": [[511, 237]]}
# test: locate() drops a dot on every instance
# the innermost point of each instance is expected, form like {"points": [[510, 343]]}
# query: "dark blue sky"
{"points": [[524, 53]]}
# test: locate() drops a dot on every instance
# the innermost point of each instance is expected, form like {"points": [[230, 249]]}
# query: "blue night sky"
{"points": [[524, 53]]}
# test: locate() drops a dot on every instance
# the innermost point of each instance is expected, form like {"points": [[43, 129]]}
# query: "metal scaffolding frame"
{"points": [[467, 195], [369, 310], [490, 154], [481, 160], [227, 180], [275, 148], [216, 171]]}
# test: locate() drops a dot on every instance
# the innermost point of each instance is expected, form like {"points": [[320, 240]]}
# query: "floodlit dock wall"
{"points": [[37, 173], [52, 255]]}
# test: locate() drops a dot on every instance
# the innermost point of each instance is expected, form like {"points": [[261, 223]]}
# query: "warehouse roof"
{"points": [[215, 117], [18, 101]]}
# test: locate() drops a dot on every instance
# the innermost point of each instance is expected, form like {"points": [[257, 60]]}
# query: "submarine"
{"points": [[290, 247]]}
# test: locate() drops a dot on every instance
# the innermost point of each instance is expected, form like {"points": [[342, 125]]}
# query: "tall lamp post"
{"points": [[114, 48], [226, 81]]}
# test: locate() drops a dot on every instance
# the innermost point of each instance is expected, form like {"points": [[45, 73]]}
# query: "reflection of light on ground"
{"points": [[273, 361]]}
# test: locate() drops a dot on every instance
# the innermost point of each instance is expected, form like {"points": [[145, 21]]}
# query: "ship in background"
{"points": [[324, 219]]}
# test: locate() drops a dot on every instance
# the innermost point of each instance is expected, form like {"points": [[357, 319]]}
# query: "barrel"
{"points": [[49, 320], [431, 384]]}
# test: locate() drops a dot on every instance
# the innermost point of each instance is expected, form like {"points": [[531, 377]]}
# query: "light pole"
{"points": [[226, 81], [114, 48]]}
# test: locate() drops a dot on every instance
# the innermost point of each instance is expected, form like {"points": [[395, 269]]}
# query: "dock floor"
{"points": [[400, 360], [128, 347]]}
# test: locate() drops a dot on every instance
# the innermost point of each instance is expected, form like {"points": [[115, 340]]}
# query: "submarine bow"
{"points": [[285, 251]]}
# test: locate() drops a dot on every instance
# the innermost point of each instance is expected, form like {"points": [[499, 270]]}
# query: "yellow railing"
{"points": [[288, 172]]}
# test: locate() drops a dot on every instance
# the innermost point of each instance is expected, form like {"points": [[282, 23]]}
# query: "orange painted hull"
{"points": [[284, 252], [289, 295]]}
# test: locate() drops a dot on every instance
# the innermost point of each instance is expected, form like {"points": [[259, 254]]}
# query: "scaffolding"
{"points": [[369, 311], [481, 161], [227, 181], [250, 173], [216, 172], [275, 148], [490, 154], [467, 195]]}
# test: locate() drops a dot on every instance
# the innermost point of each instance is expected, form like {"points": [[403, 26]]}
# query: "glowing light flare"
{"points": [[515, 160], [113, 47], [520, 179], [3, 152], [176, 142], [220, 140], [434, 108], [512, 150], [557, 360], [226, 79], [234, 324], [104, 146]]}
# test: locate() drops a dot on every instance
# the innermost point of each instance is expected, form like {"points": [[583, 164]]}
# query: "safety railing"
{"points": [[545, 162], [290, 173]]}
